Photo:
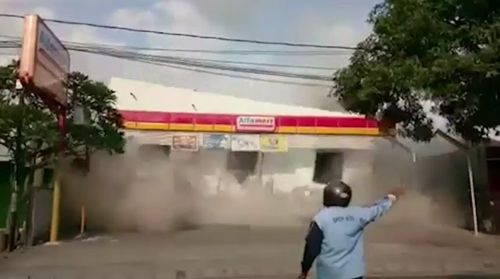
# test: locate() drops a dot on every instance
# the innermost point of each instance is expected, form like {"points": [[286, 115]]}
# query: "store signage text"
{"points": [[256, 123]]}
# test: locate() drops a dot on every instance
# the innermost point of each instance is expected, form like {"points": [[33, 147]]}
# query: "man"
{"points": [[335, 237]]}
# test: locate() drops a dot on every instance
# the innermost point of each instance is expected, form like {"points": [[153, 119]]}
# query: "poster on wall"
{"points": [[214, 141], [273, 143], [245, 143], [185, 142]]}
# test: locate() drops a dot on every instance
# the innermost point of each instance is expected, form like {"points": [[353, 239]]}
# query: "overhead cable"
{"points": [[177, 34]]}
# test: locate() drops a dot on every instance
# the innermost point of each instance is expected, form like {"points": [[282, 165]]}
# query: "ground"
{"points": [[393, 250]]}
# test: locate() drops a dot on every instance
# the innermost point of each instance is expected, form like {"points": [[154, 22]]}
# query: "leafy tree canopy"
{"points": [[38, 125], [437, 54]]}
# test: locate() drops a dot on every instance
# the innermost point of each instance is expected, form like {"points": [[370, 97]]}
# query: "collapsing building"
{"points": [[282, 147]]}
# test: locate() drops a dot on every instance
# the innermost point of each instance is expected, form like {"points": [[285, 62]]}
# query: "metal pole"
{"points": [[83, 218], [56, 199], [472, 194], [414, 171]]}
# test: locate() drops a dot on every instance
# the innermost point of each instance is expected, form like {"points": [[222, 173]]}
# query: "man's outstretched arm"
{"points": [[312, 248], [376, 211]]}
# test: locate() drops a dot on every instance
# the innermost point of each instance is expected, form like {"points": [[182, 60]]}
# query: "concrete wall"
{"points": [[289, 170], [285, 171]]}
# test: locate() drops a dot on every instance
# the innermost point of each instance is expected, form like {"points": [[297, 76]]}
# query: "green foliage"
{"points": [[38, 125], [445, 53]]}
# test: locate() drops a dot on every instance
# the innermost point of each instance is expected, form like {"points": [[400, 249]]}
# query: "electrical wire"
{"points": [[213, 51], [193, 64], [201, 64], [78, 46], [195, 36], [237, 76]]}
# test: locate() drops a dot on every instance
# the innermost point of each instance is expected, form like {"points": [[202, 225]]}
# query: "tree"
{"points": [[428, 54], [29, 130], [40, 135]]}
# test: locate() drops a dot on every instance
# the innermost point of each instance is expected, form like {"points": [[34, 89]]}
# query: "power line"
{"points": [[196, 36], [212, 51], [270, 64], [201, 64], [238, 76], [240, 51], [192, 64], [71, 45]]}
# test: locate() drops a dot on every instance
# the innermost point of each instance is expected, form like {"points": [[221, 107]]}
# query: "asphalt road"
{"points": [[392, 251]]}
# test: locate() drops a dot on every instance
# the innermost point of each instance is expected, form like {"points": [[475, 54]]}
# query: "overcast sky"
{"points": [[330, 22]]}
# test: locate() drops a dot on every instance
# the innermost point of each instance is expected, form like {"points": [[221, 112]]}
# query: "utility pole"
{"points": [[56, 200]]}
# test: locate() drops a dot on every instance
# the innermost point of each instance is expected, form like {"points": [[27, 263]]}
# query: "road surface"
{"points": [[254, 252]]}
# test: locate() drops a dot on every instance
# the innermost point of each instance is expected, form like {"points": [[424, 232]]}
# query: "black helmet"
{"points": [[337, 194]]}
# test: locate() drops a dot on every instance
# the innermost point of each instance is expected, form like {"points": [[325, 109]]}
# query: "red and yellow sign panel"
{"points": [[227, 123]]}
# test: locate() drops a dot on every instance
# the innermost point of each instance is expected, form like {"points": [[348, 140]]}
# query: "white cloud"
{"points": [[44, 12], [227, 18], [189, 17], [134, 17], [13, 27]]}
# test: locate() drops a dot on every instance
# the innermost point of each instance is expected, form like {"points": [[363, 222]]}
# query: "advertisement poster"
{"points": [[245, 143], [185, 142], [273, 143], [216, 141]]}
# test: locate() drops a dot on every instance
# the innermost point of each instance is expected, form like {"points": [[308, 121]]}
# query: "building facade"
{"points": [[236, 141]]}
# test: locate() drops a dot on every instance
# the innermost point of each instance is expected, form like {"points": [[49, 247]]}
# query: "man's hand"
{"points": [[398, 192]]}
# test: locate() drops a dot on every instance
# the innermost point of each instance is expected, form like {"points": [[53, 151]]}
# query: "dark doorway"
{"points": [[327, 167], [242, 164]]}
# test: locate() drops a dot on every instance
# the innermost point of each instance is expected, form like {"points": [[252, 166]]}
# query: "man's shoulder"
{"points": [[329, 212], [354, 211]]}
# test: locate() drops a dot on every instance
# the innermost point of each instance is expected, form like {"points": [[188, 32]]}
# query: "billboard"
{"points": [[214, 141], [185, 142], [245, 143], [273, 143], [255, 124], [44, 62]]}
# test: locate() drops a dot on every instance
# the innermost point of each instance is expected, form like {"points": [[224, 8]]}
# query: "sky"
{"points": [[328, 22]]}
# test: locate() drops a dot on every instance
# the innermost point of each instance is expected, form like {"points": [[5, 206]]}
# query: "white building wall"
{"points": [[296, 169], [285, 171], [289, 170]]}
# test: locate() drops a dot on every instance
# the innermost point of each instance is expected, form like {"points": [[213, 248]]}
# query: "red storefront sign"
{"points": [[255, 123]]}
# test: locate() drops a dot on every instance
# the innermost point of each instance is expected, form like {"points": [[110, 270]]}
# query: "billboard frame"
{"points": [[44, 63]]}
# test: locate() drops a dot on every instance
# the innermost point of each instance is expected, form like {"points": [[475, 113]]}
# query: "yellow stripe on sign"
{"points": [[347, 131], [287, 130], [231, 129], [306, 130], [223, 128], [203, 127], [145, 125], [181, 127]]}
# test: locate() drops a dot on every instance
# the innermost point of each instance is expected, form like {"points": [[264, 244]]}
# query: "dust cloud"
{"points": [[148, 191], [434, 186]]}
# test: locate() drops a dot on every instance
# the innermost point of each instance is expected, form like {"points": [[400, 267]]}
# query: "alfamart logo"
{"points": [[256, 123]]}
